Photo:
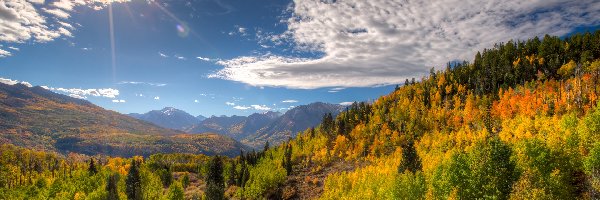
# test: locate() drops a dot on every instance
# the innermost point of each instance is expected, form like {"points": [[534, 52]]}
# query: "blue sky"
{"points": [[215, 57]]}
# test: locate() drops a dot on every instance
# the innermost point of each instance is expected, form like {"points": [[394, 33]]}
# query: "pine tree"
{"points": [[232, 174], [111, 187], [185, 181], [133, 183], [92, 168], [287, 159], [266, 147], [215, 186], [410, 159]]}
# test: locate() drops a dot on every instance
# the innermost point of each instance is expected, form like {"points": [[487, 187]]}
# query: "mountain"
{"points": [[200, 118], [293, 121], [168, 118], [36, 118], [252, 124], [214, 124], [258, 128]]}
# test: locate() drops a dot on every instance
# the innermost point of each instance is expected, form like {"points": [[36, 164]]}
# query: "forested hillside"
{"points": [[519, 122], [37, 118]]}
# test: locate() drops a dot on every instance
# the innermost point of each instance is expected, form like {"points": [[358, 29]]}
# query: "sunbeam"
{"points": [[112, 42]]}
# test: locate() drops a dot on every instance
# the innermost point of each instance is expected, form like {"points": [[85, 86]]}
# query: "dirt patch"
{"points": [[306, 182]]}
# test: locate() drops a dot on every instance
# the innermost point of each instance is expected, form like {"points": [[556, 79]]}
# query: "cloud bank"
{"points": [[85, 93], [23, 21], [383, 42]]}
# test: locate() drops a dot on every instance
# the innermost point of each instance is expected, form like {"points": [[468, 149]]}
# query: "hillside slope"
{"points": [[37, 118], [521, 121]]}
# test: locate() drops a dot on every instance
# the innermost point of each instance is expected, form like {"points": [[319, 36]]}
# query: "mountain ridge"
{"points": [[41, 119]]}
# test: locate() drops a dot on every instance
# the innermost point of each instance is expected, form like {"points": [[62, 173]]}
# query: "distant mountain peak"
{"points": [[169, 110], [168, 117]]}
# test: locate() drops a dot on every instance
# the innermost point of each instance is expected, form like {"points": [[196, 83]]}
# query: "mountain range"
{"points": [[169, 117], [253, 130], [37, 118]]}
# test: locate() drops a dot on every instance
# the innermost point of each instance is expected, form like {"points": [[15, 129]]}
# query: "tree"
{"points": [[327, 123], [165, 175], [232, 174], [266, 147], [111, 186], [410, 159], [215, 186], [133, 183], [175, 191], [92, 168], [185, 181], [287, 158]]}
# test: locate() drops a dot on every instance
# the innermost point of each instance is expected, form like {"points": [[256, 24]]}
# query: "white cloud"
{"points": [[4, 53], [142, 83], [260, 107], [242, 30], [14, 48], [241, 107], [162, 55], [21, 21], [83, 93], [77, 96], [156, 98], [203, 58], [118, 101], [289, 101], [66, 25], [196, 101], [8, 81], [37, 1], [180, 57], [57, 12], [335, 90], [230, 103], [13, 82], [383, 42], [346, 103]]}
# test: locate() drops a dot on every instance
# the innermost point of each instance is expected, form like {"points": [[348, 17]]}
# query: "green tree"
{"points": [[287, 158], [166, 177], [410, 159], [92, 168], [215, 186], [175, 191], [185, 181], [111, 187], [133, 184], [232, 174]]}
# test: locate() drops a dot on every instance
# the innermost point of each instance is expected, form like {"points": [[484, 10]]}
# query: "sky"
{"points": [[237, 57]]}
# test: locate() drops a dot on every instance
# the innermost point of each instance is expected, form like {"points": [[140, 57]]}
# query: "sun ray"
{"points": [[112, 42]]}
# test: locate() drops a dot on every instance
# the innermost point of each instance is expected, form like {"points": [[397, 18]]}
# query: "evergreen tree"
{"points": [[165, 175], [185, 180], [232, 174], [215, 186], [133, 183], [111, 187], [266, 147], [92, 168], [287, 159], [410, 159]]}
